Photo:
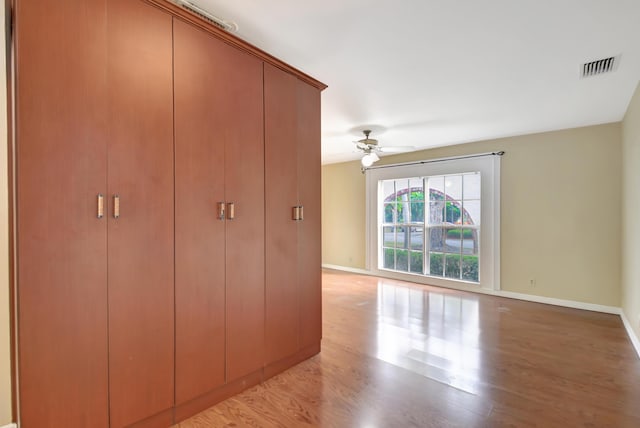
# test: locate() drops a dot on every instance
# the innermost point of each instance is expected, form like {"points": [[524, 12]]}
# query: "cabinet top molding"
{"points": [[235, 41]]}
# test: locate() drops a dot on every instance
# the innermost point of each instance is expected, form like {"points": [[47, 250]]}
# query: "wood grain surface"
{"points": [[141, 244], [396, 354], [61, 168]]}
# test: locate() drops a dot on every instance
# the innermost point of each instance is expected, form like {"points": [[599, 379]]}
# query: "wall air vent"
{"points": [[223, 24], [600, 66]]}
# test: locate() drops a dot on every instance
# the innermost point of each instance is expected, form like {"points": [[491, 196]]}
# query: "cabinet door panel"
{"points": [[141, 245], [282, 300], [309, 230], [200, 234], [62, 245], [244, 179]]}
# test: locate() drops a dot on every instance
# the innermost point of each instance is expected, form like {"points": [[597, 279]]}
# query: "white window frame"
{"points": [[489, 168]]}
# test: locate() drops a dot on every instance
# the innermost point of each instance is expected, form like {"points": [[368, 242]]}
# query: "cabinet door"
{"points": [[281, 187], [244, 181], [141, 244], [219, 158], [62, 245], [200, 233], [309, 229]]}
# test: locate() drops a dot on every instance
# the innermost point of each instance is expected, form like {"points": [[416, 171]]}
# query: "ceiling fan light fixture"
{"points": [[369, 159]]}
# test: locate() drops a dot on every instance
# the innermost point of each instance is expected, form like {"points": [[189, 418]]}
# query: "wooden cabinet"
{"points": [[139, 304], [61, 167], [141, 240], [94, 117], [219, 256], [292, 150]]}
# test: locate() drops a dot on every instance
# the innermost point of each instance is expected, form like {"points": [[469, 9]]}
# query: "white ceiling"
{"points": [[441, 72]]}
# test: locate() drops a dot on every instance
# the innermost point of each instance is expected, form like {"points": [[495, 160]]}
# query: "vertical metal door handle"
{"points": [[100, 205], [116, 206], [231, 211], [301, 212], [295, 213], [220, 210]]}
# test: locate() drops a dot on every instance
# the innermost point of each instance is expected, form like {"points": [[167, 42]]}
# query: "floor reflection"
{"points": [[431, 333]]}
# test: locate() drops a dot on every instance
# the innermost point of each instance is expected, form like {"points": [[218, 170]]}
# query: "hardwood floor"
{"points": [[396, 354]]}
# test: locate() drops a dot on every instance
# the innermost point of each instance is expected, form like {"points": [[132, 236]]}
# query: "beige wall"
{"points": [[5, 354], [561, 196], [630, 212], [343, 215]]}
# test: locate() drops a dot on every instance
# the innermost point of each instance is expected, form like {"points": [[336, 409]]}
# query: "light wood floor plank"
{"points": [[396, 354]]}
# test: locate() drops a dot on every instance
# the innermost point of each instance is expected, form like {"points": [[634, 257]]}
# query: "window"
{"points": [[403, 224], [438, 221], [445, 241]]}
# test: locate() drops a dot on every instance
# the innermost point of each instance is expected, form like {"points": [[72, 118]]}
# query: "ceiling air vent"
{"points": [[229, 26], [600, 66]]}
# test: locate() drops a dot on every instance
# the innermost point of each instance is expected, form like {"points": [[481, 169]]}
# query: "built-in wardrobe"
{"points": [[167, 214]]}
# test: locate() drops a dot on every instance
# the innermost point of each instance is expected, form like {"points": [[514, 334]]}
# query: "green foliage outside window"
{"points": [[416, 262], [416, 208], [402, 260], [436, 260], [455, 234], [452, 212], [388, 259], [469, 266]]}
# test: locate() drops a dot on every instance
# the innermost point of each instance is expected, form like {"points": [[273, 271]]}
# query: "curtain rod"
{"points": [[421, 162]]}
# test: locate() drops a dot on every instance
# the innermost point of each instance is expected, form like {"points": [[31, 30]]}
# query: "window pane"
{"points": [[436, 212], [402, 260], [436, 188], [416, 262], [401, 237], [453, 212], [470, 268], [389, 213], [436, 235], [471, 186], [401, 210], [402, 190], [452, 266], [388, 190], [453, 243], [417, 189], [388, 237], [471, 212], [417, 212], [388, 258], [436, 264], [417, 238], [470, 243], [453, 186]]}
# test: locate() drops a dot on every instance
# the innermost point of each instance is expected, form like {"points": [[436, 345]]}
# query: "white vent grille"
{"points": [[232, 27], [600, 66]]}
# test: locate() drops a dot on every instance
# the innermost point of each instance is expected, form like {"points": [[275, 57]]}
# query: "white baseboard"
{"points": [[10, 426], [560, 302], [634, 339], [347, 269]]}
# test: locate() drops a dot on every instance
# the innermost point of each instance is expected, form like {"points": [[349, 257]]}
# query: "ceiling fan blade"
{"points": [[369, 141], [361, 145], [396, 149]]}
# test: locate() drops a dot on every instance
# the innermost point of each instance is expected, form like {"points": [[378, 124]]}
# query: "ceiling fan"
{"points": [[369, 146]]}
